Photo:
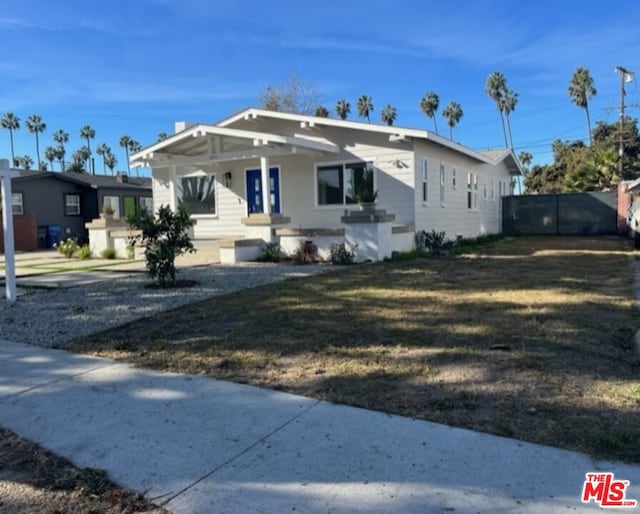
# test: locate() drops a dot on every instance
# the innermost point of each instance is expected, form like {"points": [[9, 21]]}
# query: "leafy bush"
{"points": [[272, 252], [306, 253], [84, 252], [165, 236], [340, 253], [68, 247], [108, 253], [435, 242]]}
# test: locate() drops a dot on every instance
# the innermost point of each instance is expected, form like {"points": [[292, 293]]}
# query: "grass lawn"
{"points": [[527, 338]]}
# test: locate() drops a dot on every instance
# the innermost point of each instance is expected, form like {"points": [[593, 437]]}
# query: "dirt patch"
{"points": [[35, 480], [528, 338]]}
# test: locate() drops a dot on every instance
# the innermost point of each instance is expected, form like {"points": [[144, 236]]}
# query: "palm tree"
{"points": [[495, 88], [110, 161], [429, 105], [60, 153], [581, 90], [35, 125], [365, 107], [88, 133], [321, 112], [124, 143], [25, 161], [162, 136], [134, 147], [10, 122], [453, 113], [79, 159], [61, 137], [103, 149], [388, 114], [343, 109], [508, 104], [50, 154], [525, 159]]}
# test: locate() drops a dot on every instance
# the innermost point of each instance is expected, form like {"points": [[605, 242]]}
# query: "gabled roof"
{"points": [[501, 154], [84, 179]]}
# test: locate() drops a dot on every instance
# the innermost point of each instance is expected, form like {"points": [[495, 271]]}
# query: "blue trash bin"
{"points": [[53, 235]]}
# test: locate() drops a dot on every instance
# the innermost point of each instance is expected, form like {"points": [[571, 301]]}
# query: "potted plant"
{"points": [[363, 192], [107, 212]]}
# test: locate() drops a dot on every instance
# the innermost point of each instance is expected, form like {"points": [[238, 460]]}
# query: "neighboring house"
{"points": [[313, 166], [66, 201]]}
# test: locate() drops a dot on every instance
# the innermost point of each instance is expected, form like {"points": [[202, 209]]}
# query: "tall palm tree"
{"points": [[365, 107], [60, 153], [102, 150], [110, 161], [124, 143], [134, 147], [453, 113], [87, 132], [50, 154], [508, 104], [343, 109], [61, 137], [581, 90], [162, 136], [10, 122], [321, 112], [495, 88], [36, 126], [24, 161], [388, 114], [79, 159], [525, 159], [429, 104]]}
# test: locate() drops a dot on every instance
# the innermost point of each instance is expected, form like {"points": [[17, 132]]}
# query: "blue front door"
{"points": [[254, 191]]}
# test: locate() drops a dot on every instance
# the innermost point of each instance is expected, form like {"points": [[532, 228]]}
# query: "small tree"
{"points": [[165, 236]]}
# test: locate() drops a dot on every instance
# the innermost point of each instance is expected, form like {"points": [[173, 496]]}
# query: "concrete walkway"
{"points": [[198, 445]]}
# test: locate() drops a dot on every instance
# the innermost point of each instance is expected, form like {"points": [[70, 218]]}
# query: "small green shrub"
{"points": [[306, 253], [435, 242], [108, 253], [84, 253], [340, 253], [67, 248], [272, 252]]}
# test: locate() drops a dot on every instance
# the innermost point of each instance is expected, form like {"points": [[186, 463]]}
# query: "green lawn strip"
{"points": [[527, 338]]}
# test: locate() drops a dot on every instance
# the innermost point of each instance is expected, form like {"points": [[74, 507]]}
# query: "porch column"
{"points": [[172, 188], [266, 185], [7, 221]]}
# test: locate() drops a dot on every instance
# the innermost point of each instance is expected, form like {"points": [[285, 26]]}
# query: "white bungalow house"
{"points": [[313, 167]]}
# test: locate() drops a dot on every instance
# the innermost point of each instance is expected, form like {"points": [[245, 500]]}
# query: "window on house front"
{"points": [[345, 183], [16, 203], [198, 194], [443, 184], [146, 203], [72, 204], [493, 192], [484, 190], [425, 181], [114, 203]]}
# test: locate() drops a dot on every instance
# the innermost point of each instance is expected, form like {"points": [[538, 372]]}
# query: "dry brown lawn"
{"points": [[527, 338]]}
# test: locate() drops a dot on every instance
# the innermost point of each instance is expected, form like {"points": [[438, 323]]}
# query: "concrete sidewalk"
{"points": [[198, 445]]}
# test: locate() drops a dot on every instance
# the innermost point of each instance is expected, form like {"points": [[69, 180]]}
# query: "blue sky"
{"points": [[136, 66]]}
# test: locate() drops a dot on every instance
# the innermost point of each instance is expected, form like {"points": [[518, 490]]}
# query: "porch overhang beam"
{"points": [[187, 160]]}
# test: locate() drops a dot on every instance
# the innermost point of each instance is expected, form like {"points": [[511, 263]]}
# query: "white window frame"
{"points": [[143, 200], [114, 202], [493, 190], [443, 185], [343, 164], [453, 179], [472, 191], [67, 206], [485, 194], [425, 181], [17, 207]]}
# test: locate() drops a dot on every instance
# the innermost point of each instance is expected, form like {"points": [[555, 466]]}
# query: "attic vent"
{"points": [[123, 178]]}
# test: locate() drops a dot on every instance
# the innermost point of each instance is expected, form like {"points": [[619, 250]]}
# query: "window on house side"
{"points": [[114, 203], [146, 202], [469, 191], [198, 194], [72, 204], [425, 181], [16, 203], [453, 178], [484, 190]]}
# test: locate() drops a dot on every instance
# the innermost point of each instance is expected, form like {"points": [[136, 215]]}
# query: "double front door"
{"points": [[254, 190]]}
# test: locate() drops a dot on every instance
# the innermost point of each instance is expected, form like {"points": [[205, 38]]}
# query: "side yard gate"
{"points": [[561, 214]]}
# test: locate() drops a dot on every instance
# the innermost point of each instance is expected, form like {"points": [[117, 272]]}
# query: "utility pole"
{"points": [[625, 77]]}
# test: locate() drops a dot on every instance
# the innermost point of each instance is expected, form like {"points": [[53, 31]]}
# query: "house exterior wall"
{"points": [[453, 215], [121, 193]]}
